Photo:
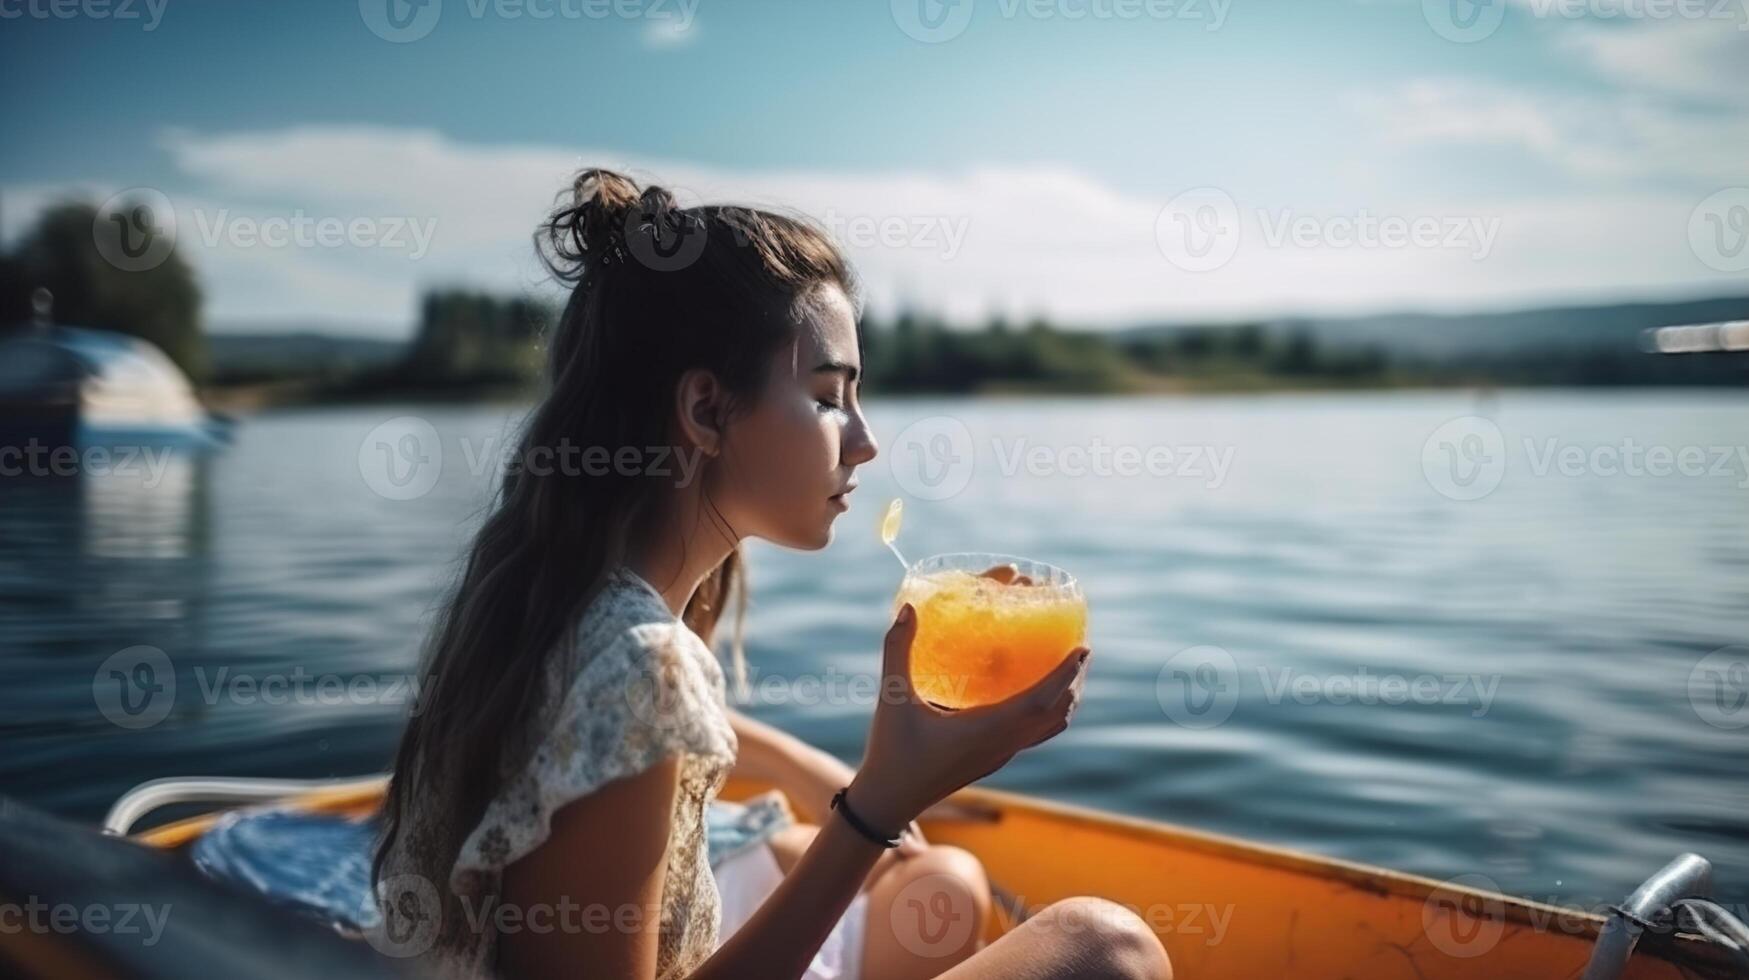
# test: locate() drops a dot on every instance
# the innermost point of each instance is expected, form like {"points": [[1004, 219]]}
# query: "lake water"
{"points": [[1304, 633]]}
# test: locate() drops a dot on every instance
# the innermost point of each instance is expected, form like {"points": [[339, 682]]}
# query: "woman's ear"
{"points": [[699, 405]]}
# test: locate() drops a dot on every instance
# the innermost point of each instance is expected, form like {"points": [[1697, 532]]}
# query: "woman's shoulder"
{"points": [[627, 628], [637, 685]]}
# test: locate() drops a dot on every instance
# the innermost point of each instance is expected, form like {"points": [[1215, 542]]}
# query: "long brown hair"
{"points": [[656, 290]]}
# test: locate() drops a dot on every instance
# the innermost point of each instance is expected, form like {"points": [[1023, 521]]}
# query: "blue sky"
{"points": [[1028, 157]]}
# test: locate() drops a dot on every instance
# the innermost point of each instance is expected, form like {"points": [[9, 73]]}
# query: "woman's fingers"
{"points": [[1051, 688], [912, 842], [1001, 573], [1045, 702], [1006, 574], [896, 653]]}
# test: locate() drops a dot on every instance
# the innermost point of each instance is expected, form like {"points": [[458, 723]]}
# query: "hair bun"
{"points": [[607, 210]]}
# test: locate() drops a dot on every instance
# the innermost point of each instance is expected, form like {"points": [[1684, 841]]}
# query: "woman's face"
{"points": [[790, 458]]}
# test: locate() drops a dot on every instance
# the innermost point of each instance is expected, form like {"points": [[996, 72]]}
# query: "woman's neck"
{"points": [[676, 552]]}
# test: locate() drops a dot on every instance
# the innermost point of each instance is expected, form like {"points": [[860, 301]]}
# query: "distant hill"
{"points": [[1419, 338], [1562, 345], [235, 357]]}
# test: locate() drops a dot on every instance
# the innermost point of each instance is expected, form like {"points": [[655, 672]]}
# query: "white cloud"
{"points": [[1704, 58], [1592, 136], [1019, 240]]}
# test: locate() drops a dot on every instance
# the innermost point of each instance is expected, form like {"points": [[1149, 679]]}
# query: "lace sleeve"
{"points": [[654, 693]]}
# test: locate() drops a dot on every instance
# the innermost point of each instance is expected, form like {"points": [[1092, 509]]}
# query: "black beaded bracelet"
{"points": [[842, 805]]}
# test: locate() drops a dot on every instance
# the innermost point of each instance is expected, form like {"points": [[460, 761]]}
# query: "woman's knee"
{"points": [[954, 872], [1109, 939]]}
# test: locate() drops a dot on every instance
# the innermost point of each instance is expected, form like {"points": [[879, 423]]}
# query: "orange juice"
{"points": [[980, 641]]}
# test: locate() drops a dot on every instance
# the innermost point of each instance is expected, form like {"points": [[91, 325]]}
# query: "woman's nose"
{"points": [[859, 443]]}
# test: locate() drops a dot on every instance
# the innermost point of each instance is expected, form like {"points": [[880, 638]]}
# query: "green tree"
{"points": [[466, 338], [160, 304]]}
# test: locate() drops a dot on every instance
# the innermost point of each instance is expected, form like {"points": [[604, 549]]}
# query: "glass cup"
{"points": [[981, 640]]}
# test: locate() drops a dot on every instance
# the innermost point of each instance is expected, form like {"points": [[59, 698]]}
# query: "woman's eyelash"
{"points": [[828, 403]]}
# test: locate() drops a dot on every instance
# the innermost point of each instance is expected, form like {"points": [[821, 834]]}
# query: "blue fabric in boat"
{"points": [[318, 865]]}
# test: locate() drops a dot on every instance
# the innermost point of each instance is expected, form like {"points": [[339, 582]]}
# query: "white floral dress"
{"points": [[633, 687]]}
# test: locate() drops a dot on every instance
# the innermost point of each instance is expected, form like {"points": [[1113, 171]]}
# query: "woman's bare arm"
{"points": [[574, 901], [606, 851], [598, 880]]}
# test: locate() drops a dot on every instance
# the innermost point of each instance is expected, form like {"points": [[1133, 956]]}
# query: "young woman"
{"points": [[553, 808]]}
